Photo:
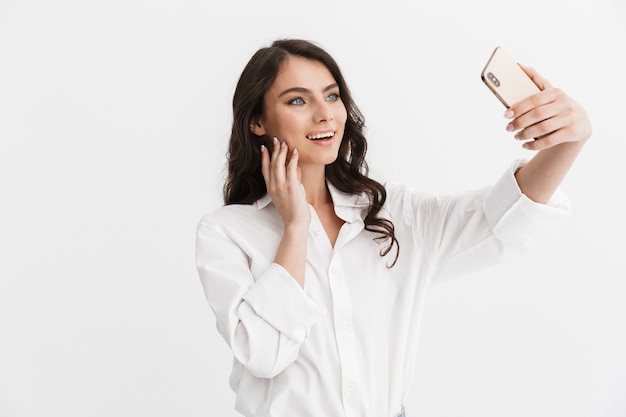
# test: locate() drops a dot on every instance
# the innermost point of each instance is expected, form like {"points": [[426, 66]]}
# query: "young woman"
{"points": [[316, 272]]}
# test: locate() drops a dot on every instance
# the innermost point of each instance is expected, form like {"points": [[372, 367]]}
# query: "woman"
{"points": [[317, 273]]}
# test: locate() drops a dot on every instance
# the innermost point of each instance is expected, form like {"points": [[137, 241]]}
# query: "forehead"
{"points": [[302, 72]]}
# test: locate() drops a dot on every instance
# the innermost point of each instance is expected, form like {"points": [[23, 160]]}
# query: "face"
{"points": [[304, 109]]}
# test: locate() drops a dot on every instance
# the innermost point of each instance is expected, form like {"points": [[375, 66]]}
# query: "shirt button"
{"points": [[351, 387], [317, 232], [344, 325]]}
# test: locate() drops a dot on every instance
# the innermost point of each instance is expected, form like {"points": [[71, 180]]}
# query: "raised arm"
{"points": [[560, 127], [283, 185]]}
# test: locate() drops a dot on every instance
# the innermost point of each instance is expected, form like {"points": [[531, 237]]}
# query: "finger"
{"points": [[541, 129], [292, 167], [299, 174], [534, 117], [278, 171], [265, 165], [275, 148], [548, 141], [531, 103], [295, 172]]}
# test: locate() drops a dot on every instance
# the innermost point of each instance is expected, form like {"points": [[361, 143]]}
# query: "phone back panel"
{"points": [[506, 79]]}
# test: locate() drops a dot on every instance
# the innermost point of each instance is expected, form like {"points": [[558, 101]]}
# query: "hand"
{"points": [[550, 117], [282, 178]]}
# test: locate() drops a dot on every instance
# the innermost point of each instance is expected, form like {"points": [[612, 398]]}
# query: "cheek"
{"points": [[341, 116], [283, 123]]}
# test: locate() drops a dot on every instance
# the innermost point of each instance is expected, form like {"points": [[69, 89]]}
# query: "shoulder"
{"points": [[228, 213], [402, 201], [242, 218], [397, 193], [392, 186]]}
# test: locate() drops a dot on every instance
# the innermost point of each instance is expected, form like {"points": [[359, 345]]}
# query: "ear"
{"points": [[257, 128]]}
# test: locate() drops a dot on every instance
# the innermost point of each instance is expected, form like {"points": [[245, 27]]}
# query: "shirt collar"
{"points": [[349, 207], [263, 201]]}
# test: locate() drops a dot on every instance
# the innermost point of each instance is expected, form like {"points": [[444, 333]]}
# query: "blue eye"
{"points": [[297, 100], [333, 97]]}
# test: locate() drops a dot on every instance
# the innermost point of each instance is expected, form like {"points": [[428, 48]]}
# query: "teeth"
{"points": [[321, 136]]}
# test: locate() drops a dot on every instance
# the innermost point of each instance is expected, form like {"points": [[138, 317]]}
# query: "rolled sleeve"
{"points": [[261, 311], [278, 299], [515, 218]]}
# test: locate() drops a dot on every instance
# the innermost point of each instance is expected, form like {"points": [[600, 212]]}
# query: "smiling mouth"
{"points": [[321, 136]]}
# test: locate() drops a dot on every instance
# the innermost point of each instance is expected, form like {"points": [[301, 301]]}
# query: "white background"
{"points": [[114, 119]]}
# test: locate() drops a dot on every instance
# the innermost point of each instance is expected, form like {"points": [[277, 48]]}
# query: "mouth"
{"points": [[321, 136]]}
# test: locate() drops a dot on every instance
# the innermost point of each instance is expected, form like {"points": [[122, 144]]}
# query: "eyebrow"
{"points": [[306, 90]]}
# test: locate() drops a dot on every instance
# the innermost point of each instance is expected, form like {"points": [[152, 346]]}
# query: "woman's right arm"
{"points": [[283, 185], [264, 316], [261, 311]]}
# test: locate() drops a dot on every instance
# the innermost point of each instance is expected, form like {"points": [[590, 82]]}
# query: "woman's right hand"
{"points": [[282, 178]]}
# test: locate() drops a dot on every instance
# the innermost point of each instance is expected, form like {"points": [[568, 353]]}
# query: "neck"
{"points": [[314, 182]]}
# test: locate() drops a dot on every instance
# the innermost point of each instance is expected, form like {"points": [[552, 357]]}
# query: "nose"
{"points": [[323, 112]]}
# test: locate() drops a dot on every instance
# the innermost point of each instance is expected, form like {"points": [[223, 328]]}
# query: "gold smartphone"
{"points": [[506, 79]]}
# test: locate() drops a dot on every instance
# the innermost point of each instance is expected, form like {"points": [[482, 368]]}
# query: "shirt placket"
{"points": [[344, 326]]}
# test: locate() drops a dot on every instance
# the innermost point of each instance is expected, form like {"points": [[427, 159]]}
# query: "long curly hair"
{"points": [[348, 173]]}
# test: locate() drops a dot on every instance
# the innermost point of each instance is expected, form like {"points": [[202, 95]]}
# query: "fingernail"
{"points": [[508, 114], [275, 140], [262, 148], [295, 151], [510, 127], [526, 145], [283, 144]]}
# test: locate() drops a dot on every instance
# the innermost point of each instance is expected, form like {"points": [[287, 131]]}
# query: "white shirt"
{"points": [[346, 344]]}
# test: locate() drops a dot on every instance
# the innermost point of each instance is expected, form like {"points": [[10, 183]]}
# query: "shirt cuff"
{"points": [[278, 299], [517, 219]]}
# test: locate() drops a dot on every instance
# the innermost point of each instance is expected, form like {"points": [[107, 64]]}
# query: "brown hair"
{"points": [[348, 173]]}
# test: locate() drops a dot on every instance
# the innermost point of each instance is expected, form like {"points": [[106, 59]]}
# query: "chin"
{"points": [[330, 158]]}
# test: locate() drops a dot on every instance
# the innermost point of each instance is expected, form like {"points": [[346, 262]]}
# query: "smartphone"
{"points": [[506, 79]]}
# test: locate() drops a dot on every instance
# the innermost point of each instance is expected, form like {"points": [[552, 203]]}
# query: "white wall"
{"points": [[114, 117]]}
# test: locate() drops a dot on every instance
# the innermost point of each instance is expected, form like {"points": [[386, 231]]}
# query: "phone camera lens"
{"points": [[494, 79]]}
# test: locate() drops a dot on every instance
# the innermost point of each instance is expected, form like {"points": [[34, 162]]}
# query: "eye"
{"points": [[333, 97], [297, 101]]}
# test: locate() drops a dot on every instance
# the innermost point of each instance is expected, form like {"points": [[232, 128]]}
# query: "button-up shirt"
{"points": [[345, 345]]}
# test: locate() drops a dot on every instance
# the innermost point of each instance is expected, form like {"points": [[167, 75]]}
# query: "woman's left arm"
{"points": [[560, 127]]}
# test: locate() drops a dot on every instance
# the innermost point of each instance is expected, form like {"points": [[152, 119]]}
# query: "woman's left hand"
{"points": [[550, 117]]}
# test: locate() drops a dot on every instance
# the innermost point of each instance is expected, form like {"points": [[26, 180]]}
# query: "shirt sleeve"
{"points": [[470, 231], [514, 217], [265, 318]]}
